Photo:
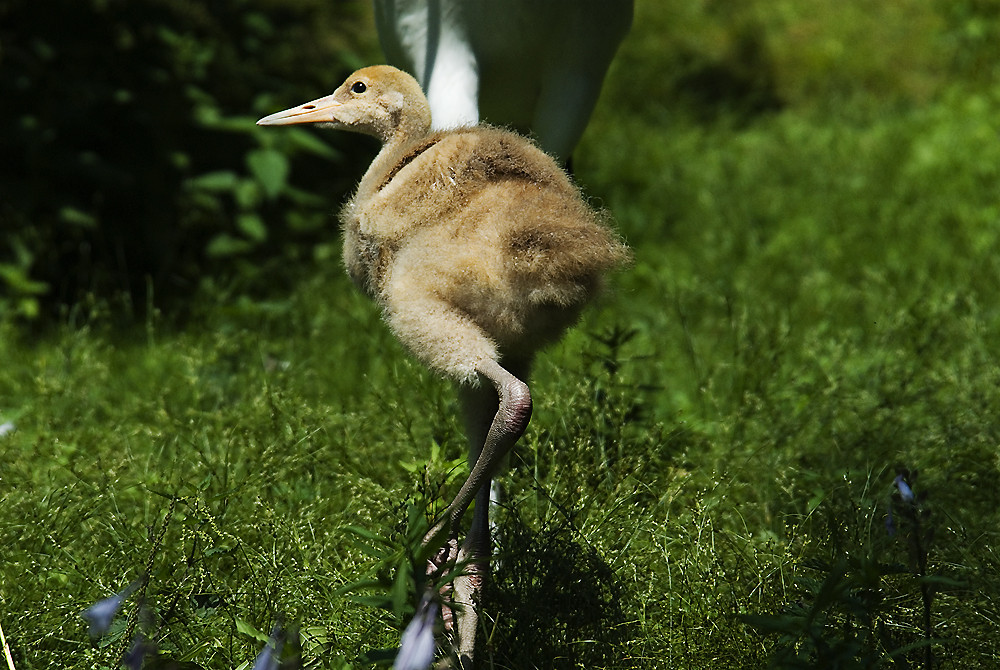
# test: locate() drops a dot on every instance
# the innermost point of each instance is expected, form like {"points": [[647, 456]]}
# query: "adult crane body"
{"points": [[534, 65]]}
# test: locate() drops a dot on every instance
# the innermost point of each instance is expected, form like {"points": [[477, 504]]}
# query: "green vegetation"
{"points": [[132, 161], [811, 193]]}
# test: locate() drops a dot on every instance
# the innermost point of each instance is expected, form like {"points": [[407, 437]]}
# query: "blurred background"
{"points": [[132, 171], [132, 167]]}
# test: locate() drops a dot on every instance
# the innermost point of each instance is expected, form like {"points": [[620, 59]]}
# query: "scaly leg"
{"points": [[513, 411]]}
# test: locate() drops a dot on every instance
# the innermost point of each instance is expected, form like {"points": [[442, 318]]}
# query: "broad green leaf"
{"points": [[311, 143], [234, 124], [247, 193], [365, 533], [376, 602], [18, 280], [358, 585], [270, 168], [225, 244], [248, 629], [401, 590], [252, 226], [222, 180], [77, 217], [302, 197]]}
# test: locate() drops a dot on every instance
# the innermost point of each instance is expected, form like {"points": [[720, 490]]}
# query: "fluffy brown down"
{"points": [[475, 242]]}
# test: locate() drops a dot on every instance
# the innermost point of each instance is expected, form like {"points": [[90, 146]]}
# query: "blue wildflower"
{"points": [[905, 492], [270, 655], [416, 648], [136, 655], [103, 612], [890, 523]]}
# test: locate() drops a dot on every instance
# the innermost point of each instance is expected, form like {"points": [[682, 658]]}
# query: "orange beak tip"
{"points": [[322, 110]]}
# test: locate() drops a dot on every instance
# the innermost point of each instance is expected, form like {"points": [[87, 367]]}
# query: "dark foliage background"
{"points": [[132, 166]]}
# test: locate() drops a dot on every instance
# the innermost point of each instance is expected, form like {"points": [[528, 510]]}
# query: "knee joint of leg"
{"points": [[516, 406]]}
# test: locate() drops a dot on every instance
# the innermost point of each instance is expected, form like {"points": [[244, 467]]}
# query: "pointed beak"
{"points": [[321, 110]]}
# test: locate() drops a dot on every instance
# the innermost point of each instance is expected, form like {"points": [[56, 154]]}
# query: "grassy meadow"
{"points": [[811, 193]]}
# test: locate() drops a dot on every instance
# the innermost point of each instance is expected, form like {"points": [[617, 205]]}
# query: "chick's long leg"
{"points": [[512, 413], [450, 341]]}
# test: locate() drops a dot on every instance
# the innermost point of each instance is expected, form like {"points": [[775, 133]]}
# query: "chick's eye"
{"points": [[359, 87]]}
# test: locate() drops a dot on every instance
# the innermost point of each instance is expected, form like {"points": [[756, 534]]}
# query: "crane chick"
{"points": [[480, 251]]}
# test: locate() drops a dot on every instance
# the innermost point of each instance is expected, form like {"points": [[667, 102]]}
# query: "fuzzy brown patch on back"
{"points": [[501, 156], [560, 261]]}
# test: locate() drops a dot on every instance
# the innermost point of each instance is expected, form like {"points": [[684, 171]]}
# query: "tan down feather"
{"points": [[475, 243]]}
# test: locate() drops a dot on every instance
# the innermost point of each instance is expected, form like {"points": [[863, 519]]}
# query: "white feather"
{"points": [[535, 65]]}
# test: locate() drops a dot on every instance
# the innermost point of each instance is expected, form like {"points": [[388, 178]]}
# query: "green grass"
{"points": [[814, 304]]}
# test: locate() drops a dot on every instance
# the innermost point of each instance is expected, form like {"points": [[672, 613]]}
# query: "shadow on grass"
{"points": [[554, 602]]}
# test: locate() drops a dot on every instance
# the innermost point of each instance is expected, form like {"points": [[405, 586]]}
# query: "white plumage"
{"points": [[534, 65]]}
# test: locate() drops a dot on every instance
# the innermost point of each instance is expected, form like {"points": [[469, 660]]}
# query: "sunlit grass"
{"points": [[814, 304]]}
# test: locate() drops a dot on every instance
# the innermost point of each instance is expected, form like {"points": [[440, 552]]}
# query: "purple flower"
{"points": [[905, 492], [416, 648], [890, 523], [270, 655], [102, 613], [135, 656]]}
